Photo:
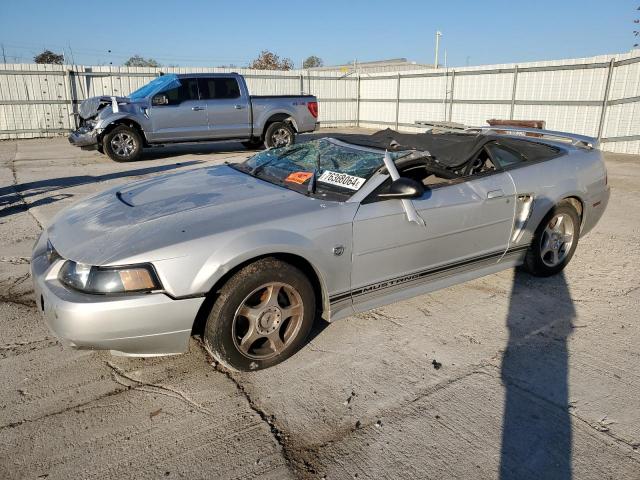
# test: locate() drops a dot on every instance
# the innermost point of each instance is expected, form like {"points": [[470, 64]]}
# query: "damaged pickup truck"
{"points": [[191, 108]]}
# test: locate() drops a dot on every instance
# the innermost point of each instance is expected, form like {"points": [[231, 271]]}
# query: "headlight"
{"points": [[90, 279]]}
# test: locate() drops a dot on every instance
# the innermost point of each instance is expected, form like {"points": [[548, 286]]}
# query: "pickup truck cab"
{"points": [[191, 108]]}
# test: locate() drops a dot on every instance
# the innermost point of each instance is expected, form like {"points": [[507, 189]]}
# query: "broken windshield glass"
{"points": [[164, 81], [325, 164]]}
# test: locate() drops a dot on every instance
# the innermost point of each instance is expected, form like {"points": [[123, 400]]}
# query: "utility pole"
{"points": [[4, 57], [438, 35]]}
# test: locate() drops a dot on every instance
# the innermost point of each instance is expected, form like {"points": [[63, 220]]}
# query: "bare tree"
{"points": [[48, 56], [636, 33], [270, 61], [139, 61], [312, 62]]}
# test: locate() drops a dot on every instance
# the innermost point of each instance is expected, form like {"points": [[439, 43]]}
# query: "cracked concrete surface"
{"points": [[537, 378]]}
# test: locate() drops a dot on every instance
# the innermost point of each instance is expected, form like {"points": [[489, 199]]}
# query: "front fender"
{"points": [[245, 247], [118, 117]]}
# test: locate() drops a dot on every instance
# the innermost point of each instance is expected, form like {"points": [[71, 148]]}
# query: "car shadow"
{"points": [[13, 198], [536, 427], [200, 148]]}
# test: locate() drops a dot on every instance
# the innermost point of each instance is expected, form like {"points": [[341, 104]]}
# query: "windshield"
{"points": [[155, 84], [340, 169]]}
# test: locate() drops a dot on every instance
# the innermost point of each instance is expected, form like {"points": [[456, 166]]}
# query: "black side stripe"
{"points": [[422, 274]]}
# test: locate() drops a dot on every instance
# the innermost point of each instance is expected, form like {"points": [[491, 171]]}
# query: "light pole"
{"points": [[438, 35]]}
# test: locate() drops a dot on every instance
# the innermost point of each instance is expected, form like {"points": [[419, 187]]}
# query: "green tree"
{"points": [[139, 61], [312, 62], [49, 57], [270, 61]]}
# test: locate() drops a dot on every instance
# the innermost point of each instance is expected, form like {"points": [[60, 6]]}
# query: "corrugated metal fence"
{"points": [[597, 96]]}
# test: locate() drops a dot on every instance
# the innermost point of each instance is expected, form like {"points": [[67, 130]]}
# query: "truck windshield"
{"points": [[163, 81], [340, 169]]}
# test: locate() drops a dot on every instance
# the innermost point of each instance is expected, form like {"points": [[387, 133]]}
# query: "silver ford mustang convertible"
{"points": [[247, 255]]}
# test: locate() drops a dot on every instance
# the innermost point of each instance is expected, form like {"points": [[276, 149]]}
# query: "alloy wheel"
{"points": [[267, 320], [556, 240], [281, 137], [123, 144]]}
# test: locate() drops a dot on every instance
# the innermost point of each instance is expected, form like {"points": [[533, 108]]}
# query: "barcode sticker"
{"points": [[342, 180]]}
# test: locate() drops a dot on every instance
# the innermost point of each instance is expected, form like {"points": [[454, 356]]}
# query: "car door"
{"points": [[183, 117], [467, 228], [228, 111]]}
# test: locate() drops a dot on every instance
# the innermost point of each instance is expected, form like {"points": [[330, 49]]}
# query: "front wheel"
{"points": [[123, 144], [554, 242], [279, 134], [262, 316]]}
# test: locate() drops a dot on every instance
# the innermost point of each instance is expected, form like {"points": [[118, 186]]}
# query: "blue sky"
{"points": [[210, 33]]}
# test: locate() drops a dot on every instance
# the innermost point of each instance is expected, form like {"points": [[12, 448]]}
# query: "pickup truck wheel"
{"points": [[279, 134], [554, 242], [123, 144], [262, 315]]}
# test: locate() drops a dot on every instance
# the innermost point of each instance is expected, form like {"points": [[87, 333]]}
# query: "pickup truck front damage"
{"points": [[96, 114]]}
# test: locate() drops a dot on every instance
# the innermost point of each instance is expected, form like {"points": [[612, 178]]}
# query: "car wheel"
{"points": [[123, 144], [262, 315], [554, 242], [279, 134]]}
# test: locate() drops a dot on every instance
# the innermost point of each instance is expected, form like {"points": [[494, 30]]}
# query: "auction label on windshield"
{"points": [[298, 177], [342, 180]]}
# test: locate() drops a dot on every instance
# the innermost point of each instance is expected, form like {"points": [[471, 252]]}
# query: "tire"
{"points": [[550, 250], [123, 144], [250, 315], [279, 134]]}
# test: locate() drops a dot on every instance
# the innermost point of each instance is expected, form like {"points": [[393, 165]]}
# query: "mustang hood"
{"points": [[146, 216]]}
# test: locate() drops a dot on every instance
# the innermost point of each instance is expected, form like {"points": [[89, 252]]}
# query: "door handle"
{"points": [[495, 194], [238, 107], [197, 109]]}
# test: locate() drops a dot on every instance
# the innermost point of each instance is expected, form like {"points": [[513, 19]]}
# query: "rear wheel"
{"points": [[554, 242], [262, 316], [123, 144], [279, 134]]}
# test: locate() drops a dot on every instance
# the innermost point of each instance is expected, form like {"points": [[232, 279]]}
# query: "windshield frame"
{"points": [[322, 191]]}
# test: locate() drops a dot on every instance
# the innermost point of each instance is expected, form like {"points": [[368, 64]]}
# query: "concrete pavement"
{"points": [[507, 376]]}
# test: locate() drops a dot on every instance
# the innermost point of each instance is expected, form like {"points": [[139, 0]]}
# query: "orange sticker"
{"points": [[298, 177]]}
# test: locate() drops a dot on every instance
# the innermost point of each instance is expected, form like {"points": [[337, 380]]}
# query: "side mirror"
{"points": [[160, 100], [404, 187]]}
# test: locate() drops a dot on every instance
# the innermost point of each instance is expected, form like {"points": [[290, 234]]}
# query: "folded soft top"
{"points": [[449, 149]]}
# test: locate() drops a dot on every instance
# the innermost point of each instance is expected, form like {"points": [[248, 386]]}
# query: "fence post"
{"points": [[301, 84], [358, 103], [398, 101], [513, 92], [453, 81], [605, 100], [72, 100]]}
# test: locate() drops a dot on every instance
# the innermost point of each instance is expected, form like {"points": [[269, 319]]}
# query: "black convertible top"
{"points": [[450, 149]]}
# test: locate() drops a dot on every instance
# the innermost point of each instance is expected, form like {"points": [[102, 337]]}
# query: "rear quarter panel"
{"points": [[294, 107], [580, 173]]}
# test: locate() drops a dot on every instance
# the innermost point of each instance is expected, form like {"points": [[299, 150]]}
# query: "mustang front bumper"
{"points": [[135, 325]]}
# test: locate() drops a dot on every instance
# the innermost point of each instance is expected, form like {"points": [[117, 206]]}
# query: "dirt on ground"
{"points": [[506, 376]]}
